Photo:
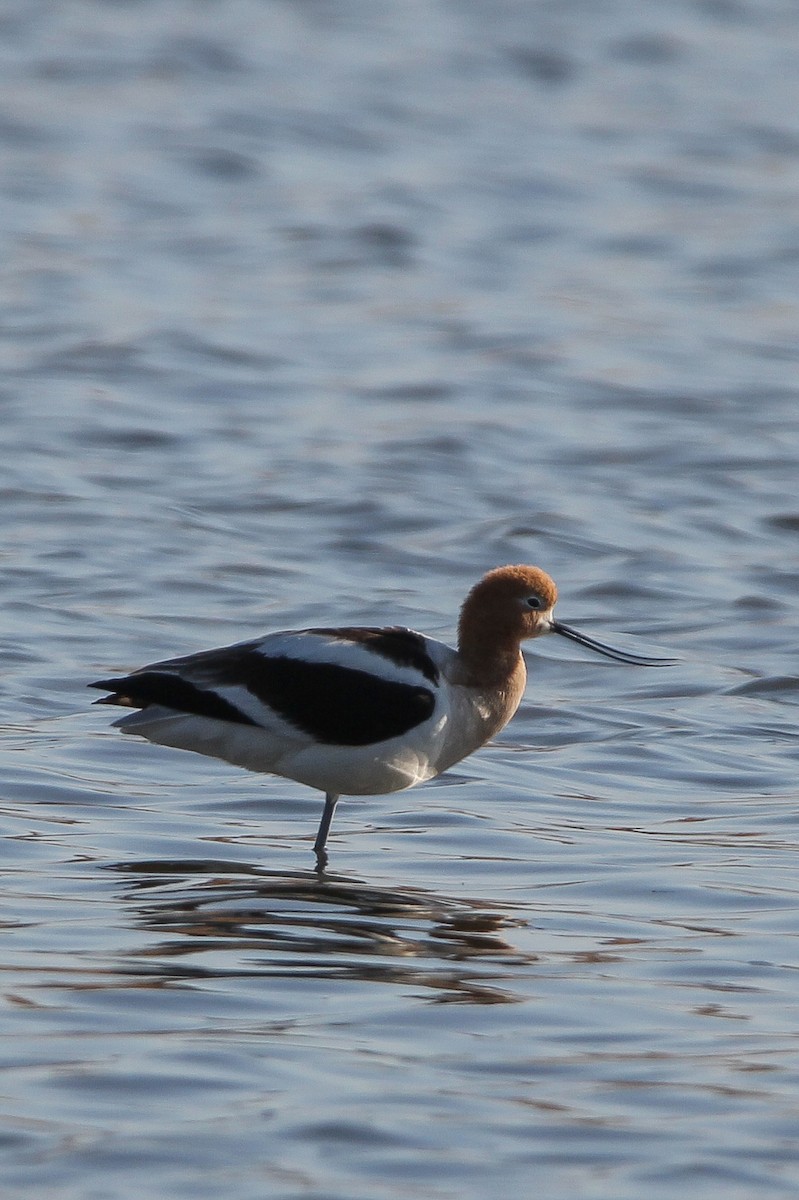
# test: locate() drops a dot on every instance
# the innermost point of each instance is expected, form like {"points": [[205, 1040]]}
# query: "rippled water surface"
{"points": [[315, 312]]}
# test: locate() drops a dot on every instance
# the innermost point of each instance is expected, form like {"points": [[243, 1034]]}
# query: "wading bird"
{"points": [[354, 710]]}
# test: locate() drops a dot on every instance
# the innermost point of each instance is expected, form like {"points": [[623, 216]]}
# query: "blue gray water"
{"points": [[315, 311]]}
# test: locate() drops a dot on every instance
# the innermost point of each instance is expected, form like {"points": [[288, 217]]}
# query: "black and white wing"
{"points": [[344, 687]]}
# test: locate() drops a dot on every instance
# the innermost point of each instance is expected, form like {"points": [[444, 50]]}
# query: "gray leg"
{"points": [[324, 829]]}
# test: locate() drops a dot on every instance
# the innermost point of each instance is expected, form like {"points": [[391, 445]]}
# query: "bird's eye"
{"points": [[534, 602]]}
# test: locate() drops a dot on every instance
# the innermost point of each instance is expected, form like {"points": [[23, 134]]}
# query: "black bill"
{"points": [[634, 660]]}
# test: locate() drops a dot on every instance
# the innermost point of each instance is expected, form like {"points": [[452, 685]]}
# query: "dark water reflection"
{"points": [[320, 927]]}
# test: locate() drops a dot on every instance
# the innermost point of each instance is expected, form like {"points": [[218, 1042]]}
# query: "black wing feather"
{"points": [[168, 690], [336, 705]]}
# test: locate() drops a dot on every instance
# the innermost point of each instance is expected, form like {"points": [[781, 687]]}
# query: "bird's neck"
{"points": [[491, 663], [496, 678]]}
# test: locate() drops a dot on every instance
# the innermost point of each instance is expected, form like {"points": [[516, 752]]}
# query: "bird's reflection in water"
{"points": [[325, 926]]}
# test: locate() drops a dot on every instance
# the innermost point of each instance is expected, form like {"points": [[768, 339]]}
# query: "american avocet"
{"points": [[354, 711]]}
